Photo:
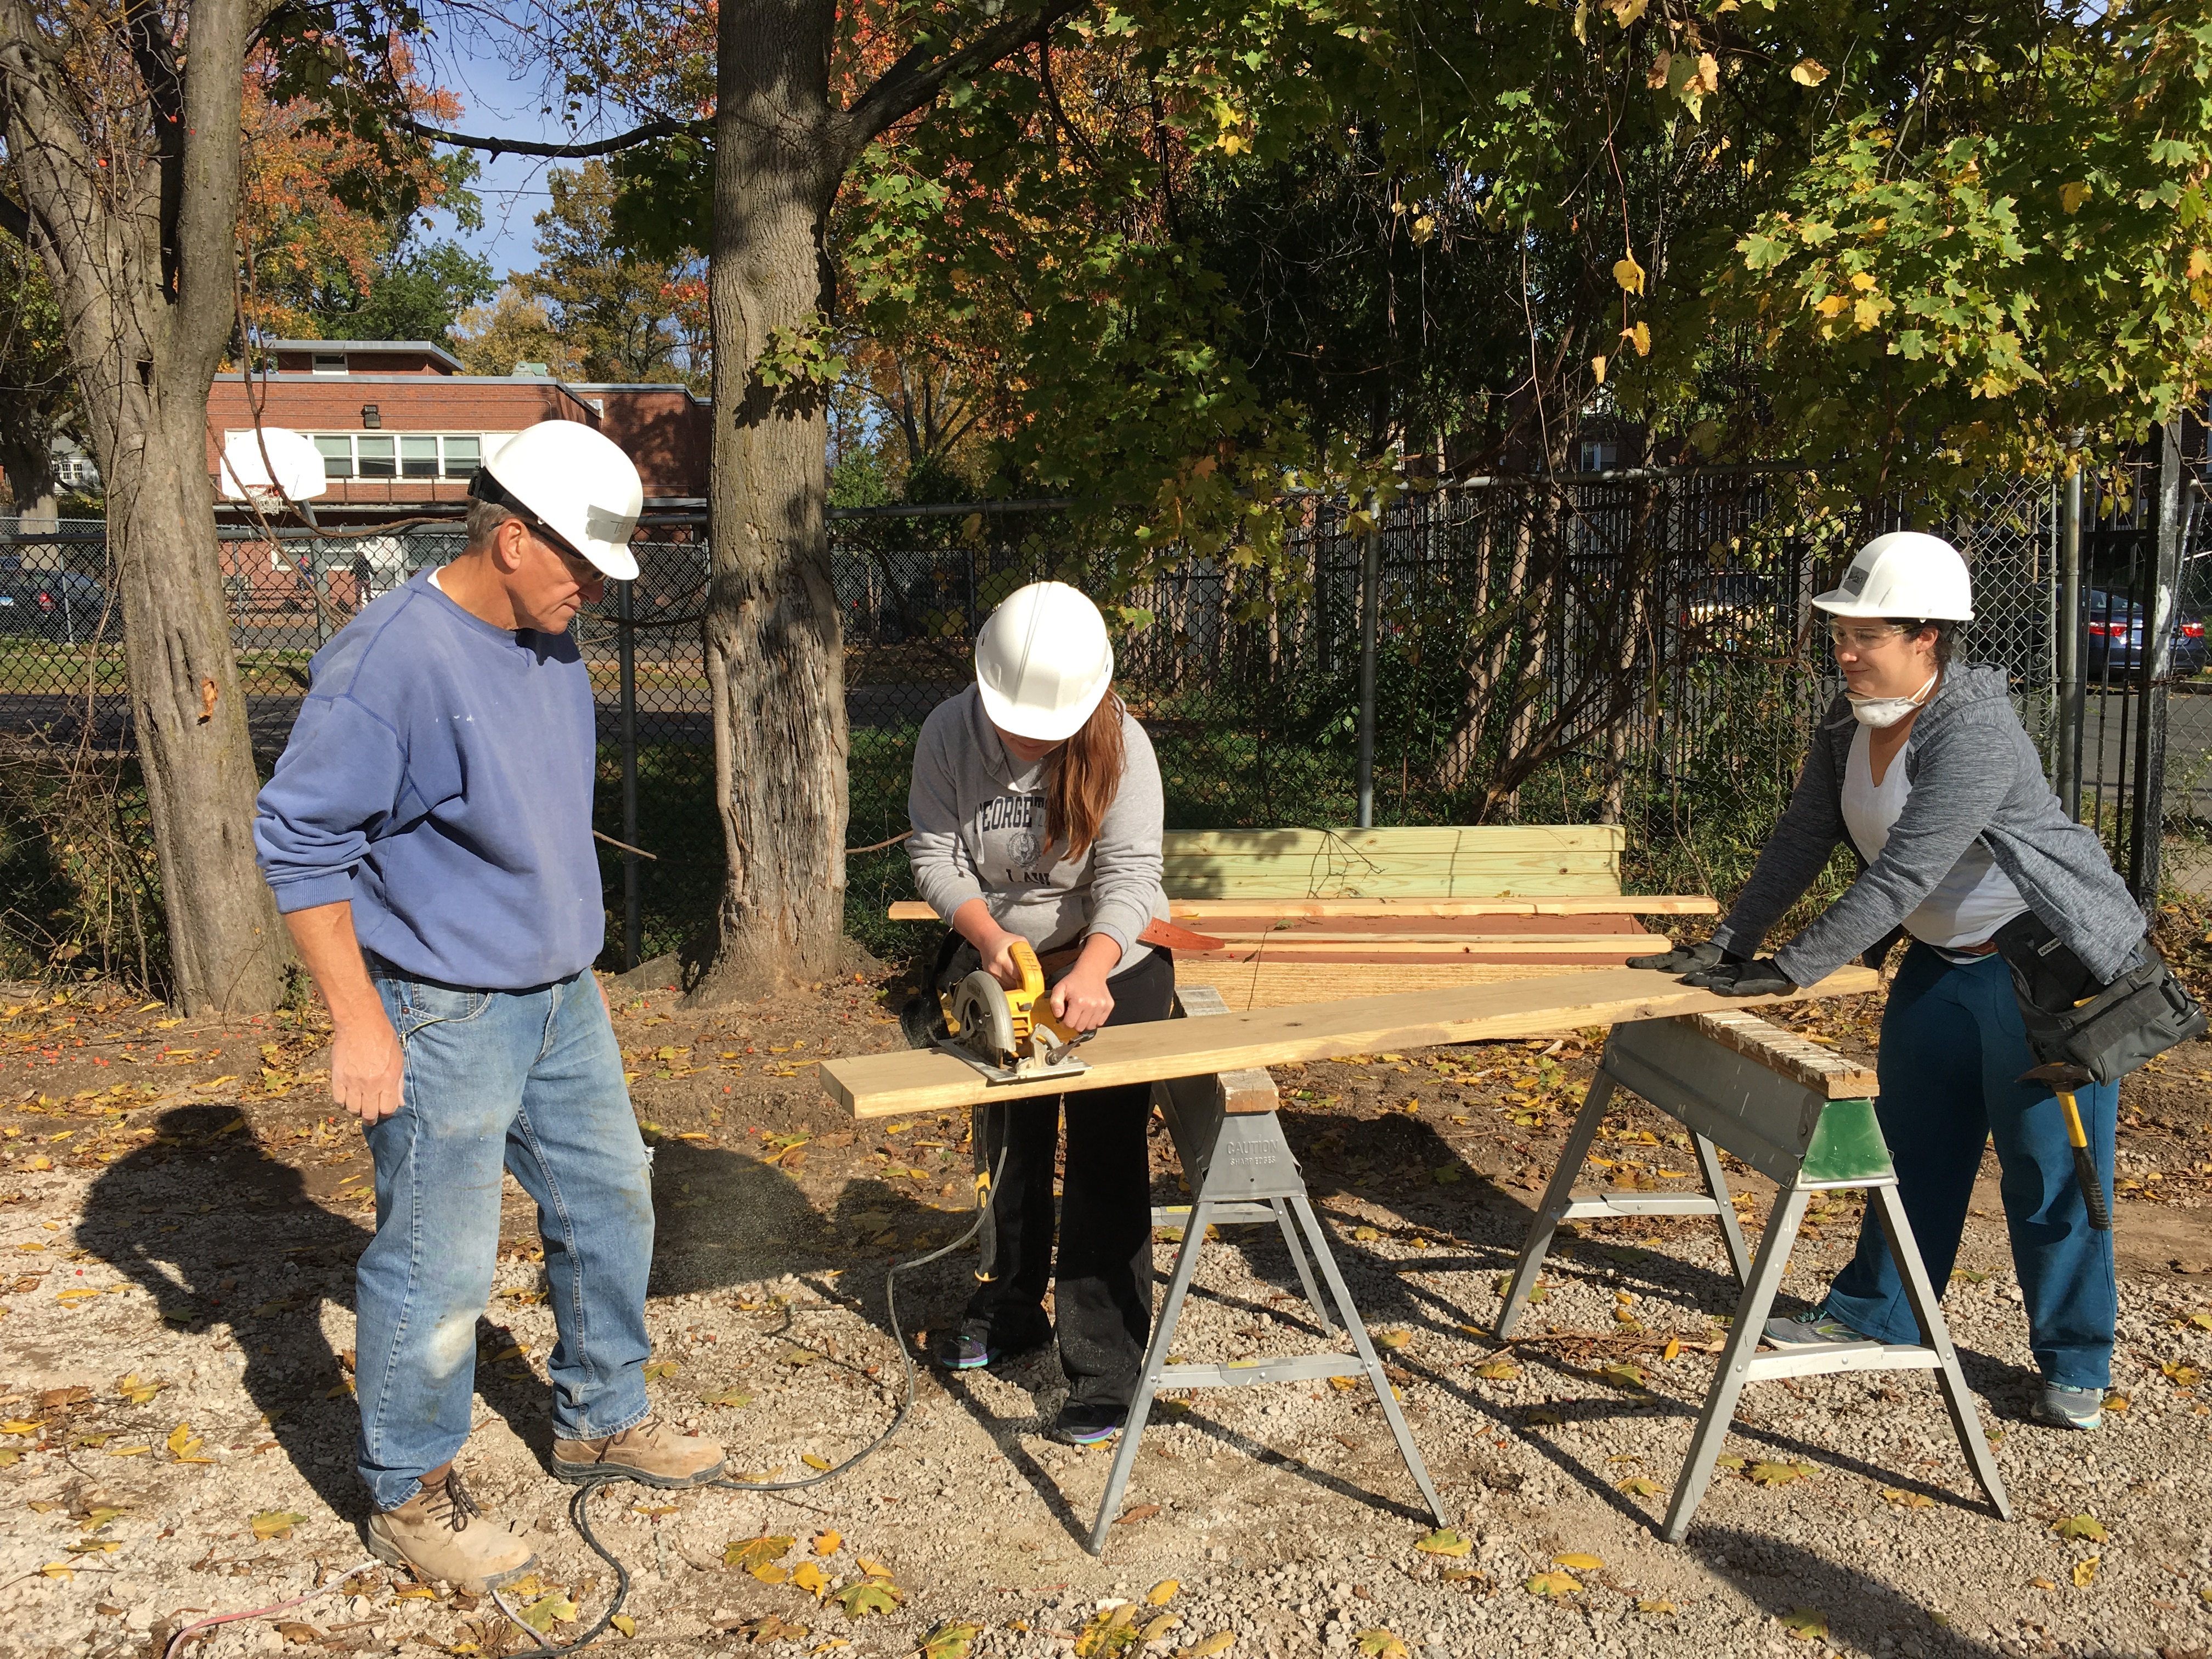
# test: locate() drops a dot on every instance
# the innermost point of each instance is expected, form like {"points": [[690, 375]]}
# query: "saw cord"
{"points": [[579, 1506]]}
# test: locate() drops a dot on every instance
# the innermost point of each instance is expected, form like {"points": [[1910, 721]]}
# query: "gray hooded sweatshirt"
{"points": [[979, 829], [1974, 773]]}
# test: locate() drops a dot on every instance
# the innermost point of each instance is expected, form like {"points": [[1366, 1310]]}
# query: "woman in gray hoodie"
{"points": [[1922, 768], [1036, 805]]}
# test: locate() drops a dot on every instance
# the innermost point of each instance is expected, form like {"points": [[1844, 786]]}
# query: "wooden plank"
{"points": [[923, 1081], [1189, 909], [1523, 876], [1391, 845], [1286, 939], [1793, 1056], [1280, 984], [1244, 1093]]}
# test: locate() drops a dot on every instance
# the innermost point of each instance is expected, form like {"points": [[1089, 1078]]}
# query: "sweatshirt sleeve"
{"points": [[1955, 792], [1125, 859], [1795, 854], [334, 789], [943, 873]]}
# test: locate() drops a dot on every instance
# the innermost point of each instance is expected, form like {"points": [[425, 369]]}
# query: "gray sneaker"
{"points": [[2061, 1407], [1817, 1329]]}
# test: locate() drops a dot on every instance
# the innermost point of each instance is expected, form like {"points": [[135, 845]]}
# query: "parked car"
{"points": [[2115, 643], [56, 605]]}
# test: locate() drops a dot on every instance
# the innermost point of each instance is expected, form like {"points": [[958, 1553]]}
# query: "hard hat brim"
{"points": [[613, 559], [1041, 726], [1837, 603]]}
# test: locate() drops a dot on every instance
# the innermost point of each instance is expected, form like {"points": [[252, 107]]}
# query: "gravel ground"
{"points": [[180, 1214]]}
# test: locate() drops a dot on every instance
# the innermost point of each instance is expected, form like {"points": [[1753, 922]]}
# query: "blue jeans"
{"points": [[1951, 1048], [529, 1081]]}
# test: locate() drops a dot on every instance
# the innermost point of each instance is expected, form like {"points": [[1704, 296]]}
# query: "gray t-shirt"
{"points": [[979, 832]]}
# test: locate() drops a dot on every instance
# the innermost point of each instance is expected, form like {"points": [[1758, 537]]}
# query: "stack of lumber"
{"points": [[1312, 916]]}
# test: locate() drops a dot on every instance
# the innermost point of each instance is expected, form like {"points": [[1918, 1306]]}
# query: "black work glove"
{"points": [[1687, 959], [1757, 978]]}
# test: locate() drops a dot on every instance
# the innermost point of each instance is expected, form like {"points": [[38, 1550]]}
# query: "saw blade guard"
{"points": [[982, 1021]]}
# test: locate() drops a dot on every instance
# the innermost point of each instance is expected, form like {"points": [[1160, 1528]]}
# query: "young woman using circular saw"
{"points": [[1036, 806], [1923, 769]]}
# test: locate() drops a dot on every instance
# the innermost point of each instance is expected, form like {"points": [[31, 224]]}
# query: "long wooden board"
{"points": [[1278, 984], [1290, 944], [921, 1080], [1389, 845], [1589, 904]]}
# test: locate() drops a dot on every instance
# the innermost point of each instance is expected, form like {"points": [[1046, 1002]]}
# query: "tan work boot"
{"points": [[648, 1451], [440, 1533]]}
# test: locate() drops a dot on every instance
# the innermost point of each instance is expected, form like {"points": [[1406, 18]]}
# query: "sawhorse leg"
{"points": [[1920, 1291], [1709, 1164], [1558, 1196]]}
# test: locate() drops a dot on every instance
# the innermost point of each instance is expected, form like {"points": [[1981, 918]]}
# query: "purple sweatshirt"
{"points": [[439, 777]]}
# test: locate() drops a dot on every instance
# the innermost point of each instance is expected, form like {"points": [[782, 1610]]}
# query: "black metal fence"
{"points": [[1629, 647]]}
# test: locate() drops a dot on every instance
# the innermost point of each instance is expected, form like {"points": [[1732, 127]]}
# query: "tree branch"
{"points": [[636, 135], [913, 80]]}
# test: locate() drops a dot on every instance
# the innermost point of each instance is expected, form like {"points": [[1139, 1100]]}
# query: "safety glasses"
{"points": [[1861, 636]]}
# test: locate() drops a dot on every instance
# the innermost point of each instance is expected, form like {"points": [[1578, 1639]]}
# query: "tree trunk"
{"points": [[144, 272], [774, 643]]}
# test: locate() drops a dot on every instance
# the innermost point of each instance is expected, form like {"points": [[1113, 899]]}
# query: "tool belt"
{"points": [[2072, 1017]]}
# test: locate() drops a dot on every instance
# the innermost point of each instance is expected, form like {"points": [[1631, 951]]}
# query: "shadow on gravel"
{"points": [[1863, 1614]]}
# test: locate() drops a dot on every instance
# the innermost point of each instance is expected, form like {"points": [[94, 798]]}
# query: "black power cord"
{"points": [[579, 1505]]}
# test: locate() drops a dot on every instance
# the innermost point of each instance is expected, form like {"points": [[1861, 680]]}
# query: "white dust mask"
{"points": [[1888, 711]]}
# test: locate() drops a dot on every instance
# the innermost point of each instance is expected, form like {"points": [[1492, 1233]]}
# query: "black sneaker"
{"points": [[1080, 1424], [966, 1348]]}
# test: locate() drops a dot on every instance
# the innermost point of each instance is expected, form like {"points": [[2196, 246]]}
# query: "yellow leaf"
{"points": [[1500, 1369], [1577, 1563], [414, 1593], [1809, 72], [1640, 336], [655, 1368], [137, 1391], [825, 1543], [1654, 1606], [950, 1641], [1674, 1347], [1394, 1338], [808, 1577], [164, 1024], [1156, 1628], [2085, 1571], [1898, 1498], [1806, 1624], [1832, 306], [1163, 1592], [19, 1425], [814, 1461], [1625, 12], [1639, 1486], [1628, 274], [1444, 1542], [184, 1446], [1778, 1474], [1597, 368], [2081, 1526], [1549, 1584], [2070, 197], [1379, 1644], [1220, 1641], [59, 1569], [1366, 1235], [750, 1552], [275, 1523], [128, 1451], [873, 1568], [624, 1623]]}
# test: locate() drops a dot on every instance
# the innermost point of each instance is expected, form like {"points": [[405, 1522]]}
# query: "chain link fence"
{"points": [[1633, 648]]}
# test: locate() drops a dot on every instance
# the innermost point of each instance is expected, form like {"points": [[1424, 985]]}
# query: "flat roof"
{"points": [[428, 347]]}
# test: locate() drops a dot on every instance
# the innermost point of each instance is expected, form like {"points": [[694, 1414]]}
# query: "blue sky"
{"points": [[512, 187]]}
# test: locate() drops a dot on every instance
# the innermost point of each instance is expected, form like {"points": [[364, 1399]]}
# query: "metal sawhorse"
{"points": [[1241, 1168], [1803, 1118]]}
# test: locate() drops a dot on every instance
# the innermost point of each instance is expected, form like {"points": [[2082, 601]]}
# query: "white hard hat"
{"points": [[1907, 575], [575, 483], [1043, 662]]}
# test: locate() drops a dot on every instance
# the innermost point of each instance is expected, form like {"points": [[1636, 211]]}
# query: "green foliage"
{"points": [[417, 296], [77, 867], [629, 315]]}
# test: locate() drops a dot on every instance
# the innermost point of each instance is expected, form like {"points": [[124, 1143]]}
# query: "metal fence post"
{"points": [[2154, 668], [1370, 572], [626, 639], [2072, 685]]}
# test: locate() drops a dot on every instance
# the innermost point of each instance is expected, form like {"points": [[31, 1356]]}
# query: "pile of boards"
{"points": [[1319, 915]]}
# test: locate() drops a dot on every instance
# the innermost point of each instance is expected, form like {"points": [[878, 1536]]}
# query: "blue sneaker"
{"points": [[967, 1347], [2061, 1407], [1088, 1425], [1817, 1329]]}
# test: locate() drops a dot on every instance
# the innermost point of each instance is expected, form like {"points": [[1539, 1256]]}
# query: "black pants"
{"points": [[1104, 1294]]}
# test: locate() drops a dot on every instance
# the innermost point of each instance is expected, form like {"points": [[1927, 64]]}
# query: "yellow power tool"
{"points": [[1009, 1035]]}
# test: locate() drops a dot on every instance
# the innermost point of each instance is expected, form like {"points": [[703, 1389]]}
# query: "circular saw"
{"points": [[1009, 1035]]}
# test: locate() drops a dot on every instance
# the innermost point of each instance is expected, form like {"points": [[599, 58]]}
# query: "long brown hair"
{"points": [[1086, 772]]}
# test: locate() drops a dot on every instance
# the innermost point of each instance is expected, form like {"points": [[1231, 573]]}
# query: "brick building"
{"points": [[401, 428]]}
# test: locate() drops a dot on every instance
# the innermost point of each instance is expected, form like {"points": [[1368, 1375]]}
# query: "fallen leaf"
{"points": [[1153, 1629], [1366, 1235], [750, 1552], [1898, 1498], [2043, 1583], [1542, 1417], [1380, 1644], [875, 1595], [2081, 1526], [1444, 1542], [808, 1577], [275, 1523], [1129, 1517], [2085, 1571], [1654, 1605], [1112, 1632], [774, 1629], [184, 1446], [1728, 1461], [814, 1461], [1621, 1374], [1220, 1641], [1639, 1486], [1674, 1347], [1500, 1369], [726, 1397], [1577, 1563], [1806, 1624], [1394, 1338], [826, 1543], [1552, 1584], [873, 1569], [1162, 1593], [624, 1623], [950, 1641], [58, 1569], [657, 1369], [1778, 1474], [137, 1391], [294, 1631]]}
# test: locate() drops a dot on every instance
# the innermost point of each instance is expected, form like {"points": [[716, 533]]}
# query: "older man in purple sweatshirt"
{"points": [[427, 835]]}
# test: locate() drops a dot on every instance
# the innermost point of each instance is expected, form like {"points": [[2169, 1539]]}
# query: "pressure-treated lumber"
{"points": [[920, 1080], [1792, 1055], [1590, 904], [1248, 985], [1348, 945]]}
